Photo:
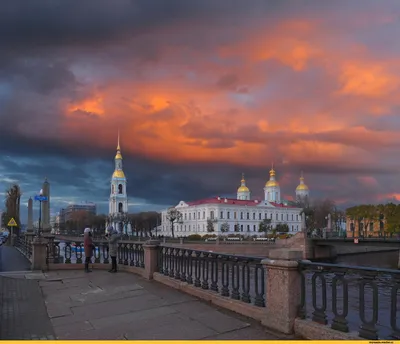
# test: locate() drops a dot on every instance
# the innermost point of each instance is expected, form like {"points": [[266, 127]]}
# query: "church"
{"points": [[118, 200], [241, 213]]}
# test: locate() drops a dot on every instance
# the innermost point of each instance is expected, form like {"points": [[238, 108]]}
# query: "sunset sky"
{"points": [[202, 91]]}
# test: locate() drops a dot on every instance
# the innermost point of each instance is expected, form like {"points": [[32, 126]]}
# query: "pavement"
{"points": [[12, 260], [71, 304]]}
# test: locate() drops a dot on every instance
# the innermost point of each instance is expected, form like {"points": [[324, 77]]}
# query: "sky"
{"points": [[202, 91]]}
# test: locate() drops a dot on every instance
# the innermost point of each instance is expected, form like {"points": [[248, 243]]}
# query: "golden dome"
{"points": [[118, 174], [243, 188], [302, 186], [271, 183], [272, 172]]}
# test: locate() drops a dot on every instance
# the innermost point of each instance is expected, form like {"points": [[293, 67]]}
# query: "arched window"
{"points": [[120, 189], [120, 207]]}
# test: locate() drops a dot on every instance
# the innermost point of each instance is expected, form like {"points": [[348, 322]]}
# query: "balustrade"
{"points": [[240, 278], [350, 298], [131, 254]]}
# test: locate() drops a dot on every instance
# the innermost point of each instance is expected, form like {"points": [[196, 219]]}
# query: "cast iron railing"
{"points": [[237, 277], [131, 254], [351, 298], [24, 246]]}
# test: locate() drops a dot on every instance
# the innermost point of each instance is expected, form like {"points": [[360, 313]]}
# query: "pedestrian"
{"points": [[113, 236], [89, 247]]}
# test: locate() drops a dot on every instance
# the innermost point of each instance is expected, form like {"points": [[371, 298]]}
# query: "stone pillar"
{"points": [[283, 288], [39, 255], [329, 226], [150, 258], [46, 228], [30, 215], [303, 223]]}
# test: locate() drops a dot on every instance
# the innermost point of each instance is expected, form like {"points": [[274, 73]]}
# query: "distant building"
{"points": [[66, 214], [242, 215]]}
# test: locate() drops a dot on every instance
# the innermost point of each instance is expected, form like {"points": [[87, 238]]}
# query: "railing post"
{"points": [[150, 258], [283, 289], [39, 253]]}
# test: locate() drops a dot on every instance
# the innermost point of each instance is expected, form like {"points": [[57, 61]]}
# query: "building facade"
{"points": [[66, 214], [241, 215]]}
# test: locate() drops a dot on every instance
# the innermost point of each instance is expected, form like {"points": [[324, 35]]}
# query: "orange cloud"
{"points": [[366, 80]]}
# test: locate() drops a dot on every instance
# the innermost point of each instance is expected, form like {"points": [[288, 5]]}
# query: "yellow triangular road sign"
{"points": [[12, 223]]}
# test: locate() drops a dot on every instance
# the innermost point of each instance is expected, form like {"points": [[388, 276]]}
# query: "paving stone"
{"points": [[169, 329], [135, 319], [79, 300], [23, 313], [249, 333], [209, 316], [66, 331]]}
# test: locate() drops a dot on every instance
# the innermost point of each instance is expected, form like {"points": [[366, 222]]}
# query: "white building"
{"points": [[118, 201], [243, 213]]}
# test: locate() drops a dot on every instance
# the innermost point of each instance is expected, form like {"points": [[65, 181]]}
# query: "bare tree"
{"points": [[265, 226], [174, 216], [210, 226], [225, 227], [12, 201]]}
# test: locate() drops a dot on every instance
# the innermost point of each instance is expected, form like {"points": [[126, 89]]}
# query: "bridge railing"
{"points": [[374, 236], [351, 298], [128, 253], [24, 246], [236, 277]]}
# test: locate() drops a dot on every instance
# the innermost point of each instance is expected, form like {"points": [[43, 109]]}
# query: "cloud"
{"points": [[201, 92]]}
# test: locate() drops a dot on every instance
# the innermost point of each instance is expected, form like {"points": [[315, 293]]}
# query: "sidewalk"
{"points": [[23, 314], [100, 305], [12, 260]]}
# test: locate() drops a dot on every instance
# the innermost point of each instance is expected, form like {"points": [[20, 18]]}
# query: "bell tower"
{"points": [[118, 202]]}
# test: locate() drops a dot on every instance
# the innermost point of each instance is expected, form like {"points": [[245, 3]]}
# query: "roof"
{"points": [[232, 201]]}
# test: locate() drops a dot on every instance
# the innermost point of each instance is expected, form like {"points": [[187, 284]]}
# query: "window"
{"points": [[297, 217], [185, 228], [282, 217], [212, 214], [292, 228], [204, 215], [189, 228], [234, 215], [228, 215], [112, 189], [120, 207], [297, 228], [198, 215], [248, 228], [265, 216], [120, 189], [185, 216], [241, 215], [254, 228], [222, 214], [292, 217], [254, 216], [194, 216], [248, 216], [190, 216], [371, 227], [259, 216], [277, 217], [287, 217], [241, 228]]}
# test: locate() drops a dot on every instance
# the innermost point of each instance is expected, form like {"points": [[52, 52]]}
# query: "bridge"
{"points": [[248, 296]]}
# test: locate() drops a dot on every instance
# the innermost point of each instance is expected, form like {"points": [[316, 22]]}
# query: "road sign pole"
{"points": [[40, 217]]}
